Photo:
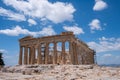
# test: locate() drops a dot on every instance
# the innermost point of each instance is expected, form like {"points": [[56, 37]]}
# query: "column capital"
{"points": [[55, 42], [35, 46], [63, 41]]}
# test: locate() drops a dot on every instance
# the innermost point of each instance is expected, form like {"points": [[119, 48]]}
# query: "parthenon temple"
{"points": [[56, 49]]}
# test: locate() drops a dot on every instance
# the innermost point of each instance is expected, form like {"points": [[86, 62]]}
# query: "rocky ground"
{"points": [[59, 72]]}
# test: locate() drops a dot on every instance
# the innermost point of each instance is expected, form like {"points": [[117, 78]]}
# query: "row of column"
{"points": [[28, 54], [77, 54]]}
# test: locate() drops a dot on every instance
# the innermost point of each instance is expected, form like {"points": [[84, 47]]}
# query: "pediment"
{"points": [[26, 38]]}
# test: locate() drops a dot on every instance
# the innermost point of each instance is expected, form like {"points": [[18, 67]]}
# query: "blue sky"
{"points": [[95, 22]]}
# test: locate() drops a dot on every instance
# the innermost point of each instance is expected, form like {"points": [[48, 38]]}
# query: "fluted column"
{"points": [[73, 47], [88, 57], [30, 55], [33, 55], [71, 51], [20, 55], [83, 56], [80, 57], [94, 60], [63, 52], [75, 53], [39, 57], [76, 46], [46, 53], [25, 55], [55, 53], [92, 57]]}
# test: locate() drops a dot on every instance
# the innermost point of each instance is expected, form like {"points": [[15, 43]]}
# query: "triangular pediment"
{"points": [[26, 38]]}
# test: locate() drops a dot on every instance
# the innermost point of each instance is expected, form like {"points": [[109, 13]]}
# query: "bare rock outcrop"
{"points": [[60, 72]]}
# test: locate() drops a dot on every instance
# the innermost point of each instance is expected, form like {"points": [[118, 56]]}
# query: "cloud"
{"points": [[99, 5], [105, 44], [75, 29], [47, 31], [107, 55], [18, 30], [56, 12], [108, 59], [3, 51], [11, 15], [95, 25], [32, 22], [108, 39], [10, 59]]}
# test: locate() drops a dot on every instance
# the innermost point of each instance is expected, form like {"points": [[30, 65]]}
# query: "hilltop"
{"points": [[60, 72]]}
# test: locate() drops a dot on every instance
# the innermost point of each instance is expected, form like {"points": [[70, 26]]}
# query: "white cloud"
{"points": [[32, 22], [18, 30], [10, 59], [56, 12], [99, 5], [3, 50], [108, 59], [107, 55], [47, 31], [75, 29], [95, 25], [11, 15], [108, 39], [105, 44]]}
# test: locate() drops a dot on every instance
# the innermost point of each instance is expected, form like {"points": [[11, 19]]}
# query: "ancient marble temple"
{"points": [[57, 49]]}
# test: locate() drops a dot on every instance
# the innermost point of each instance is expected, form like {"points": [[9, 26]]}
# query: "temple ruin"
{"points": [[57, 49]]}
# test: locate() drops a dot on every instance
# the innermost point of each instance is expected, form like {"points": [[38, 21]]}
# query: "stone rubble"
{"points": [[59, 72]]}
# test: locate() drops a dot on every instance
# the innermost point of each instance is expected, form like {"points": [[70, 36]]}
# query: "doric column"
{"points": [[20, 55], [92, 57], [25, 55], [83, 56], [73, 47], [39, 57], [71, 51], [88, 57], [33, 55], [29, 55], [95, 59], [46, 53], [76, 54], [55, 53], [63, 52], [79, 54]]}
